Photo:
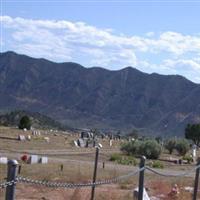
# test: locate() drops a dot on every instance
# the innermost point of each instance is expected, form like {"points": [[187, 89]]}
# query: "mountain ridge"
{"points": [[96, 97]]}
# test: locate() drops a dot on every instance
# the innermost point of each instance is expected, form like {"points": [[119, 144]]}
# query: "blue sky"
{"points": [[152, 36]]}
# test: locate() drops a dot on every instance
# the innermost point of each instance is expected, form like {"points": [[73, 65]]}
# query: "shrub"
{"points": [[170, 145], [157, 164], [182, 146], [188, 158], [149, 148], [131, 148], [123, 159], [115, 157]]}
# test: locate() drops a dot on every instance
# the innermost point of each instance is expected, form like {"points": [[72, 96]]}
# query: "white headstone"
{"points": [[110, 143], [194, 153], [33, 159], [44, 160], [145, 195], [29, 137], [21, 138], [46, 139], [3, 160], [75, 143]]}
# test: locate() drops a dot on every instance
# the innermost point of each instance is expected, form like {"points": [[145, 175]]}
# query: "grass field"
{"points": [[78, 167]]}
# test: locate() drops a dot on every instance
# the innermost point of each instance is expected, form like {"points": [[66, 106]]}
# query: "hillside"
{"points": [[37, 120], [96, 97]]}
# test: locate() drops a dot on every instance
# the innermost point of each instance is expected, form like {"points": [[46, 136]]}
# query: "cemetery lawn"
{"points": [[78, 167]]}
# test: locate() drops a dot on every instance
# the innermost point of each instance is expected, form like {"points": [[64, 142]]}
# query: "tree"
{"points": [[182, 146], [192, 132], [25, 122], [149, 148], [170, 145]]}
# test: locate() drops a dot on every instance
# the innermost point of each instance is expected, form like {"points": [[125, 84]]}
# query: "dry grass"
{"points": [[60, 147]]}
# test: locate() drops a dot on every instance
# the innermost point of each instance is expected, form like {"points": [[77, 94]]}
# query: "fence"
{"points": [[13, 179]]}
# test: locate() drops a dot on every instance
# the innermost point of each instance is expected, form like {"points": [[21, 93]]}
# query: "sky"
{"points": [[150, 35]]}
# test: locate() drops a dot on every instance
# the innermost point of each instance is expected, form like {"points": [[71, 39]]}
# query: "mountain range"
{"points": [[94, 97]]}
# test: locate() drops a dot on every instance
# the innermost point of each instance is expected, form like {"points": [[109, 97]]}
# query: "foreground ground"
{"points": [[78, 167]]}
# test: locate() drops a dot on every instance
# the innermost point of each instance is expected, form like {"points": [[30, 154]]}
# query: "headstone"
{"points": [[145, 195], [3, 160], [44, 160], [29, 137], [47, 139], [110, 142], [194, 149], [33, 159], [75, 143], [81, 142], [25, 129], [21, 138]]}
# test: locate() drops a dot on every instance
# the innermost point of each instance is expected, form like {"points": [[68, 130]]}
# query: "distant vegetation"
{"points": [[192, 132], [149, 148], [25, 122], [37, 120]]}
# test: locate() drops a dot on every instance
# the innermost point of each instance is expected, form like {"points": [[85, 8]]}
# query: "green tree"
{"points": [[192, 132], [25, 122], [170, 145], [149, 148], [182, 146]]}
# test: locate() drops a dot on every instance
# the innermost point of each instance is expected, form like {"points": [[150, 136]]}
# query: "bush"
{"points": [[25, 122], [131, 148], [115, 157], [149, 148], [122, 159], [157, 164], [170, 145], [182, 146], [188, 158]]}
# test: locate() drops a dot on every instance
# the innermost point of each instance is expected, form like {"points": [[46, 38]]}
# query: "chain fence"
{"points": [[67, 185], [20, 179]]}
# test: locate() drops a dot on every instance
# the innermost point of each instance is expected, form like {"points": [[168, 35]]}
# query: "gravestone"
{"points": [[33, 159], [21, 138], [3, 160], [44, 160], [145, 195], [81, 142]]}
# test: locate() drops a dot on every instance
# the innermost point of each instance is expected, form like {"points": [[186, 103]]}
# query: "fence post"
{"points": [[11, 175], [95, 172], [196, 183], [141, 179]]}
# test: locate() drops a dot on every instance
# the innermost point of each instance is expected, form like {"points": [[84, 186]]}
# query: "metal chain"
{"points": [[173, 175], [77, 185], [9, 183]]}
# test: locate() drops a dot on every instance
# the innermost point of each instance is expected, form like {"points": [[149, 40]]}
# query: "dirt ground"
{"points": [[78, 164]]}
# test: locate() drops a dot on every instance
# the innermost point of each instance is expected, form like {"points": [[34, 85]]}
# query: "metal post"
{"points": [[141, 178], [196, 183], [19, 169], [11, 176], [95, 172]]}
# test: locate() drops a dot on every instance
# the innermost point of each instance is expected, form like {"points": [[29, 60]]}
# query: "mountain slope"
{"points": [[97, 97], [37, 120]]}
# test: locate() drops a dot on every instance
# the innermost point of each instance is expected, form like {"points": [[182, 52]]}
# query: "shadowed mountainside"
{"points": [[96, 97]]}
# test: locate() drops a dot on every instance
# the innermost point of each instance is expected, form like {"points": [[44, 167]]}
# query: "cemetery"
{"points": [[69, 157]]}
